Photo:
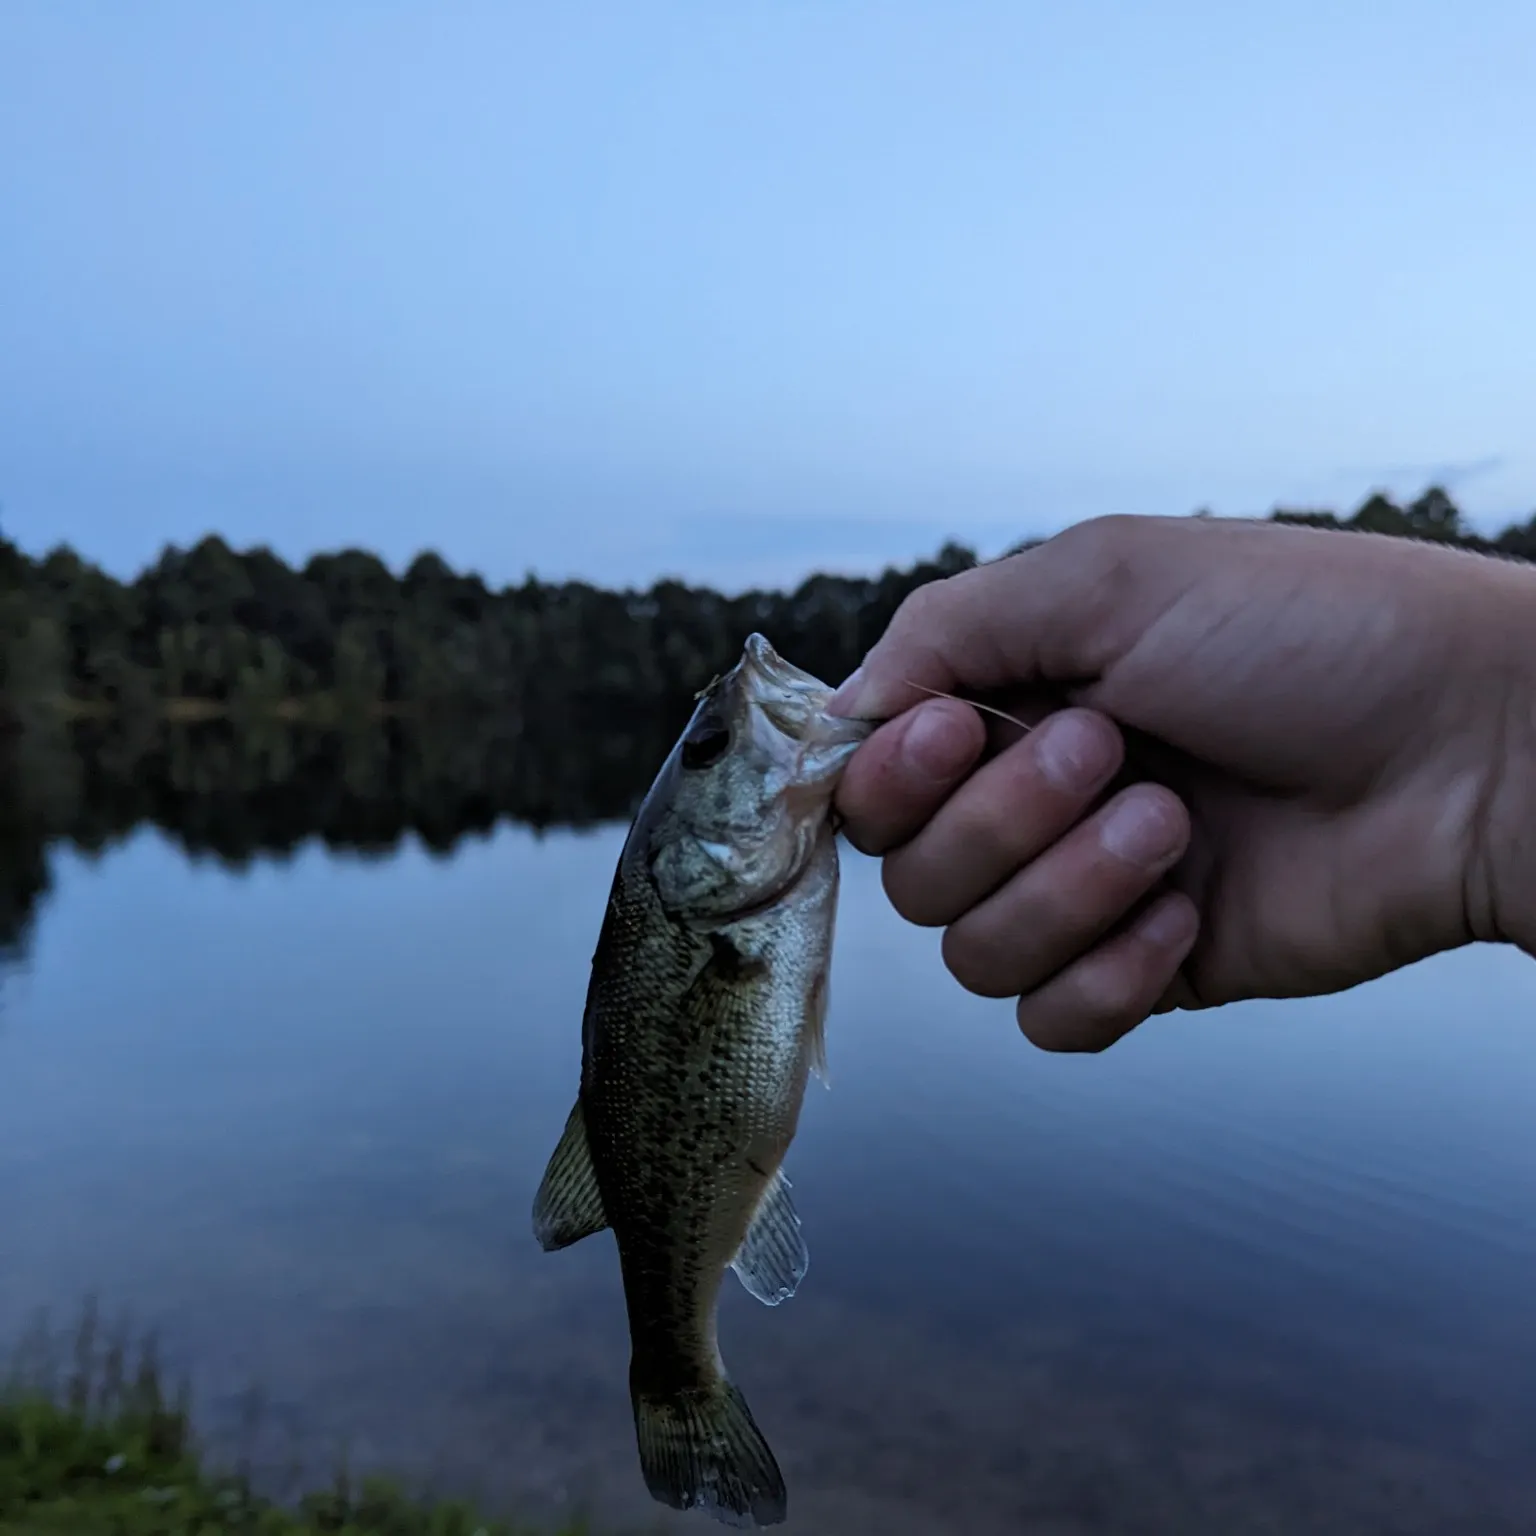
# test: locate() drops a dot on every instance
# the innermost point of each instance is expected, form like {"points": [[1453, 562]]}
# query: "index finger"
{"points": [[1038, 616]]}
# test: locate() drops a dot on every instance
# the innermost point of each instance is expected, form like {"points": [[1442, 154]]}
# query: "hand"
{"points": [[1333, 736]]}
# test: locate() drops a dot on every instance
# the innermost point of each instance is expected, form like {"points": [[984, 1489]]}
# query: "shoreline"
{"points": [[105, 1451]]}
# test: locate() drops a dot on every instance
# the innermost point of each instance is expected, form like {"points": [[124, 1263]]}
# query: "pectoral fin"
{"points": [[773, 1258], [569, 1205], [816, 1027]]}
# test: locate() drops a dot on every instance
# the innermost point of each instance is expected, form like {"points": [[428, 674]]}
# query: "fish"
{"points": [[705, 1015]]}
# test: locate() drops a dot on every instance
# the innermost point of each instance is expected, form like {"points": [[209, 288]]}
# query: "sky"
{"points": [[735, 292]]}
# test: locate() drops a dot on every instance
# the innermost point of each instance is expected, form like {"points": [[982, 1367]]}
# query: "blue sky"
{"points": [[735, 291]]}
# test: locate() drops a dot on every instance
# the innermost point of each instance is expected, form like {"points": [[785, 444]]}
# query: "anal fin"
{"points": [[569, 1205], [773, 1258]]}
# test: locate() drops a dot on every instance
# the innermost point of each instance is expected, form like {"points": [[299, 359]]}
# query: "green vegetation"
{"points": [[245, 707], [210, 632], [105, 1452]]}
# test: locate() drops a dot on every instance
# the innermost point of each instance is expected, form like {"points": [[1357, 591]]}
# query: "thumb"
{"points": [[1040, 616]]}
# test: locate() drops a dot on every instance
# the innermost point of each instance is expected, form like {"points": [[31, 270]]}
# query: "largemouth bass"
{"points": [[704, 1015]]}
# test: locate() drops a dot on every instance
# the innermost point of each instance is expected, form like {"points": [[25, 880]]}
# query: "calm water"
{"points": [[1267, 1271]]}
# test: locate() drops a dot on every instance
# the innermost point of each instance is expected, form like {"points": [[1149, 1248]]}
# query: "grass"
{"points": [[103, 1450]]}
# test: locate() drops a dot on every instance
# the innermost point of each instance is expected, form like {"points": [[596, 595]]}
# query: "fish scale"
{"points": [[704, 1017]]}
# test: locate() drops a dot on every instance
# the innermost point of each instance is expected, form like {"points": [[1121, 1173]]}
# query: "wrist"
{"points": [[1501, 881]]}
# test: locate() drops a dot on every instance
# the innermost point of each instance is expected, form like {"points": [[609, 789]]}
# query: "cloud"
{"points": [[1448, 474]]}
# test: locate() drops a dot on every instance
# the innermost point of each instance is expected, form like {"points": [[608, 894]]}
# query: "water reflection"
{"points": [[268, 788], [1267, 1271]]}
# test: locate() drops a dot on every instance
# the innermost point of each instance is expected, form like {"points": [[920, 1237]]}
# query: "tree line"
{"points": [[215, 631], [245, 706], [212, 630]]}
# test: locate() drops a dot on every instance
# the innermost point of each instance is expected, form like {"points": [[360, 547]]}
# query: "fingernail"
{"points": [[843, 701], [1169, 925], [1140, 830], [1075, 754], [934, 745]]}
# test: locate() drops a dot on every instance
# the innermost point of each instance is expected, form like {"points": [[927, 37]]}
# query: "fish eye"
{"points": [[705, 746]]}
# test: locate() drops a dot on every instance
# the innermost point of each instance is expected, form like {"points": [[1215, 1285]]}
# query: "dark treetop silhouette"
{"points": [[244, 706]]}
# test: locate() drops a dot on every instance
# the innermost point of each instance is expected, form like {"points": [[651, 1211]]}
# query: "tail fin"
{"points": [[701, 1449]]}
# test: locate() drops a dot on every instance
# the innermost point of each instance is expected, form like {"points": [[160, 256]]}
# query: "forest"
{"points": [[212, 632], [246, 707]]}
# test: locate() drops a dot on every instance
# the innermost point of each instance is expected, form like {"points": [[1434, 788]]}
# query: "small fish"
{"points": [[704, 1014]]}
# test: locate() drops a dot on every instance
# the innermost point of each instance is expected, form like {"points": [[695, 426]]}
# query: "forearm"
{"points": [[1501, 884]]}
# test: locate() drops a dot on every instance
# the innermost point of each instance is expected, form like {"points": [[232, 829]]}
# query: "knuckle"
{"points": [[1102, 561], [917, 608], [1068, 900], [931, 609], [1103, 540]]}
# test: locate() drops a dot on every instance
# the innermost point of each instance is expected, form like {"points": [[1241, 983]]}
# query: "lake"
{"points": [[1268, 1270]]}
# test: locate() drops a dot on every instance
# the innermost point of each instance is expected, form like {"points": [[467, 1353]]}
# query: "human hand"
{"points": [[1333, 732]]}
